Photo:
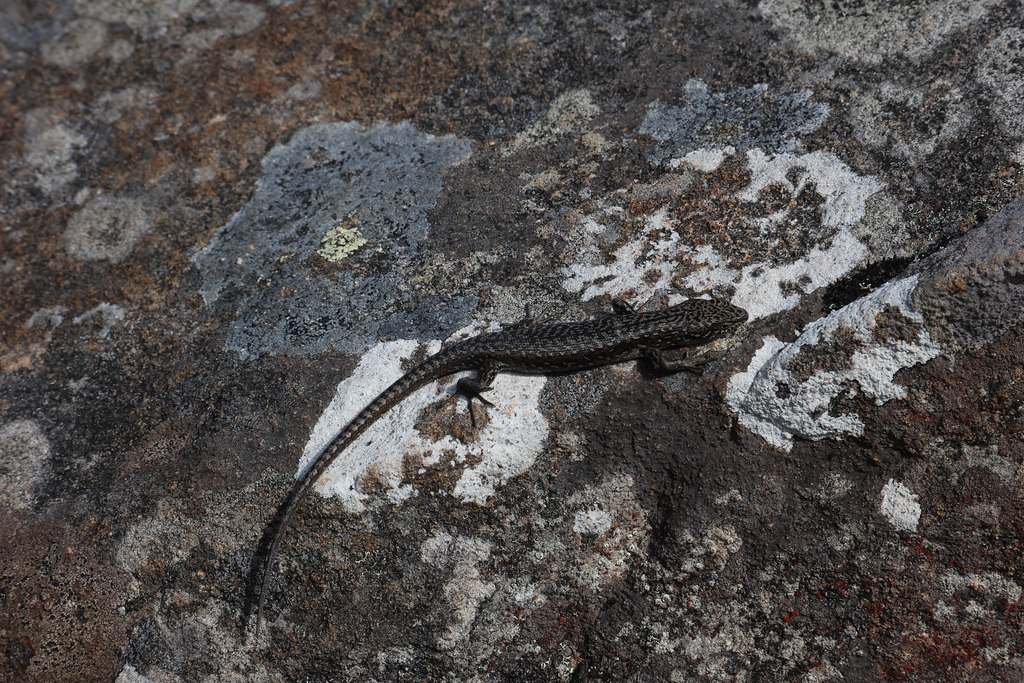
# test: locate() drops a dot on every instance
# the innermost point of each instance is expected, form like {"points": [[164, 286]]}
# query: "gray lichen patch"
{"points": [[389, 175], [957, 461], [235, 18], [24, 453], [999, 67], [115, 104], [741, 119], [870, 31], [170, 536], [568, 115], [501, 591], [203, 544], [147, 17], [879, 116], [50, 148], [468, 587], [222, 19], [36, 336], [611, 516], [82, 39], [106, 229], [994, 591]]}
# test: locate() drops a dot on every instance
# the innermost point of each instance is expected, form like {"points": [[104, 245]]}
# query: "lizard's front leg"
{"points": [[622, 307], [688, 363]]}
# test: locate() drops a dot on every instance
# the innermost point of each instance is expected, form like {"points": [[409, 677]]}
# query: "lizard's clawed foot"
{"points": [[472, 388]]}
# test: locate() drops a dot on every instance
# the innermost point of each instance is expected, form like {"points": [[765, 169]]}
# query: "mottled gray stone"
{"points": [[973, 290], [377, 181]]}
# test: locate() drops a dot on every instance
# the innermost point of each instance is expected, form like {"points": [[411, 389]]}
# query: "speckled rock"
{"points": [[225, 226]]}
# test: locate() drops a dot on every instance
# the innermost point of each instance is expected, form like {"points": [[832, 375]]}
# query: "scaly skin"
{"points": [[532, 349]]}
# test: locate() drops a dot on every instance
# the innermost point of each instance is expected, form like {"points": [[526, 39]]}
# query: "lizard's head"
{"points": [[714, 317]]}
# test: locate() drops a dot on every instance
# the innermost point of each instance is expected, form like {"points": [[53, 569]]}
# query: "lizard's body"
{"points": [[532, 349]]}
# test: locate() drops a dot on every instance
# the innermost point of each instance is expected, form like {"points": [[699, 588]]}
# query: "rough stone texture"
{"points": [[224, 225], [973, 290]]}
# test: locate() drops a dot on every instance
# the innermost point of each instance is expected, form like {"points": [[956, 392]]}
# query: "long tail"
{"points": [[432, 368]]}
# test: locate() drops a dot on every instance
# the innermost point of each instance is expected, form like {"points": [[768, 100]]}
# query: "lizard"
{"points": [[530, 349]]}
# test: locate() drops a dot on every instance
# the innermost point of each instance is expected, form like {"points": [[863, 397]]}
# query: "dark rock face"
{"points": [[226, 226]]}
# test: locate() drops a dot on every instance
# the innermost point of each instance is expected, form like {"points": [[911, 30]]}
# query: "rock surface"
{"points": [[227, 225]]}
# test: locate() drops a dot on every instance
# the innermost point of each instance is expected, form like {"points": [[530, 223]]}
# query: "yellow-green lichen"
{"points": [[341, 241]]}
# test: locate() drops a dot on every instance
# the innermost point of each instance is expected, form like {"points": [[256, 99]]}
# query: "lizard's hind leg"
{"points": [[473, 387]]}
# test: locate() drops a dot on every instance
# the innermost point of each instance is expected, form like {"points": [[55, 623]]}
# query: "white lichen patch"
{"points": [[384, 443], [595, 521], [899, 505], [778, 398], [129, 674], [505, 446], [24, 454], [726, 635], [763, 288], [508, 445], [643, 265], [49, 317], [657, 258], [467, 589], [704, 160], [109, 314], [844, 192]]}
